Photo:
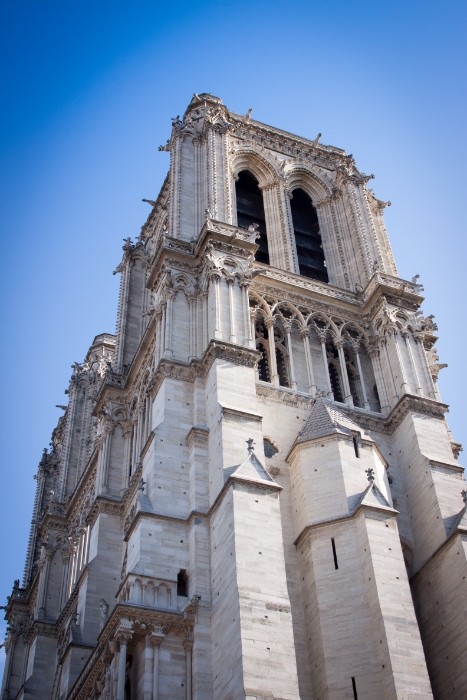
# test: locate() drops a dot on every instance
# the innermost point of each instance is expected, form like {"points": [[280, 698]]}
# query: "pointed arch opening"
{"points": [[310, 251], [250, 210]]}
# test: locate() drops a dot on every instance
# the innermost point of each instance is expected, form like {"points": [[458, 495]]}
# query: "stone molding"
{"points": [[382, 510]]}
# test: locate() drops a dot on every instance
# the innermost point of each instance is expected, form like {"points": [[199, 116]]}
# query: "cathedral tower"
{"points": [[253, 492]]}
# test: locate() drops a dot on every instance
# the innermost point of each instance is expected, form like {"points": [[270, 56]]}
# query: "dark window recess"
{"points": [[334, 374], [129, 664], [264, 372], [356, 446], [354, 688], [250, 210], [376, 395], [282, 368], [352, 380], [336, 565], [307, 237], [269, 449], [182, 583], [263, 366]]}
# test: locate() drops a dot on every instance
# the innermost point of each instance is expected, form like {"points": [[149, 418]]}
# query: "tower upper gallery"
{"points": [[314, 213]]}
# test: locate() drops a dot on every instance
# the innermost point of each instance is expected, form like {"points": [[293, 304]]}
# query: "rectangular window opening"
{"points": [[356, 447], [354, 688], [336, 565]]}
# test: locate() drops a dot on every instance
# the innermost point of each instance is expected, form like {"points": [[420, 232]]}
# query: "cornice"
{"points": [[191, 252], [383, 510], [397, 288], [313, 147], [185, 520]]}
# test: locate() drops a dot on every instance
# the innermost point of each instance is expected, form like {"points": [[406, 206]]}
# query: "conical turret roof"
{"points": [[326, 419]]}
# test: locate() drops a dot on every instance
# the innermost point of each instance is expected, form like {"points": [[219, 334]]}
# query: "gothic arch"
{"points": [[259, 165], [317, 186], [296, 314], [329, 325], [352, 325]]}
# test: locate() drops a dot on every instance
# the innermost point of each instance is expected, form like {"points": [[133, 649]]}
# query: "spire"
{"points": [[326, 419]]}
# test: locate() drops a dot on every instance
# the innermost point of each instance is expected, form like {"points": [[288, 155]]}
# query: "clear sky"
{"points": [[88, 90]]}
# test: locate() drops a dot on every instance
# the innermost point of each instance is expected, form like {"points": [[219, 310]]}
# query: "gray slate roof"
{"points": [[326, 419]]}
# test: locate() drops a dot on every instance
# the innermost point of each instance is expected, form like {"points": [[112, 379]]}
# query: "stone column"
{"points": [[134, 420], [65, 572], [157, 351], [216, 279], [356, 349], [269, 323], [168, 352], [305, 334], [404, 384], [105, 460], [288, 329], [339, 344], [188, 646], [9, 650], [322, 340], [123, 637], [247, 337], [192, 308], [373, 352], [147, 419], [429, 379], [127, 431], [406, 335], [205, 335], [230, 284], [156, 640], [384, 345], [44, 566]]}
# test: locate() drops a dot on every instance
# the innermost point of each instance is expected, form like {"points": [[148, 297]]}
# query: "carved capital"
{"points": [[338, 343], [304, 332], [157, 636]]}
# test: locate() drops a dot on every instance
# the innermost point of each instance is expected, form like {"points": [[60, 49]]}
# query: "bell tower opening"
{"points": [[250, 210], [307, 237]]}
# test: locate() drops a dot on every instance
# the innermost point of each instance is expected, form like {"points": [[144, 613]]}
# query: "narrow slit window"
{"points": [[334, 553], [356, 446], [250, 210], [308, 237], [354, 688]]}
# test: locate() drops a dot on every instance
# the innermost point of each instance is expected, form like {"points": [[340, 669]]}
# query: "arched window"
{"points": [[307, 237], [250, 210]]}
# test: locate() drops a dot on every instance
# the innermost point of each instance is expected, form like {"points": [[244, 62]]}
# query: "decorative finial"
{"points": [[247, 115], [249, 442], [464, 497], [370, 474]]}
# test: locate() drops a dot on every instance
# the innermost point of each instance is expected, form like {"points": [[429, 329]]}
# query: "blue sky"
{"points": [[88, 91]]}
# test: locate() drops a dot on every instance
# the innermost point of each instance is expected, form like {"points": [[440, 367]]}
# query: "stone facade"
{"points": [[253, 491]]}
